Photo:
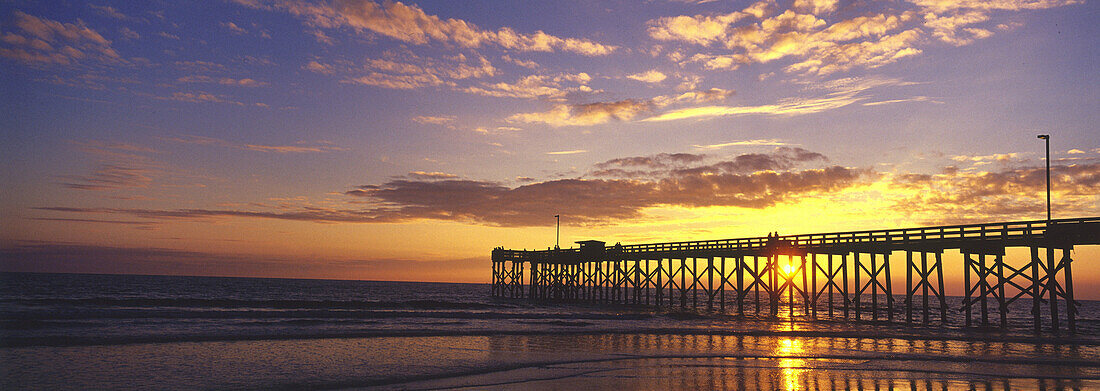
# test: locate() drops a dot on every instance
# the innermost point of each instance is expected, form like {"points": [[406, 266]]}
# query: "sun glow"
{"points": [[788, 269]]}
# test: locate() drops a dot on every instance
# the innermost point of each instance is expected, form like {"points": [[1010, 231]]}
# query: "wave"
{"points": [[304, 334], [154, 314], [193, 302]]}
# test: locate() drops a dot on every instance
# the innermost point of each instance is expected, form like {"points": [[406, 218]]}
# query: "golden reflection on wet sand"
{"points": [[581, 361], [792, 368]]}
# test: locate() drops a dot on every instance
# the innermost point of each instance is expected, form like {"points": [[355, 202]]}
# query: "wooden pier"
{"points": [[829, 275]]}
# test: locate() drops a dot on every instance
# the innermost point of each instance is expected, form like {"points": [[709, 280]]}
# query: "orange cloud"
{"points": [[536, 87], [408, 71], [431, 175], [409, 23], [958, 196], [425, 119], [586, 114], [821, 45], [623, 110], [651, 76], [843, 92]]}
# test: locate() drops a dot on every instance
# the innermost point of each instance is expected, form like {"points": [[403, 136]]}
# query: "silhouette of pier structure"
{"points": [[833, 275]]}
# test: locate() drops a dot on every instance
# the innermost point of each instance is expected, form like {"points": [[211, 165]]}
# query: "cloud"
{"points": [[314, 66], [111, 176], [313, 214], [818, 42], [698, 29], [947, 28], [918, 98], [299, 147], [396, 82], [651, 76], [200, 97], [842, 57], [109, 11], [843, 93], [199, 66], [1012, 193], [523, 63], [623, 110], [783, 158], [144, 225], [686, 164], [407, 71], [605, 200], [704, 96], [662, 160], [431, 175], [410, 24], [425, 119], [291, 148], [549, 87], [685, 182], [586, 114], [1074, 151], [816, 7], [772, 141], [990, 5], [129, 34], [786, 107], [234, 28], [226, 81], [118, 166], [572, 152], [45, 41], [53, 257], [997, 157]]}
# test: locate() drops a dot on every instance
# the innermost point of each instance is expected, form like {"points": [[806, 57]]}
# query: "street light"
{"points": [[557, 234], [1046, 137]]}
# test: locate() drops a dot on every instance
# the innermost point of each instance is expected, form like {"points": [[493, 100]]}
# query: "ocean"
{"points": [[73, 331]]}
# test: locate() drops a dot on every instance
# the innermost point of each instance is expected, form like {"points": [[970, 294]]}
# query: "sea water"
{"points": [[68, 331]]}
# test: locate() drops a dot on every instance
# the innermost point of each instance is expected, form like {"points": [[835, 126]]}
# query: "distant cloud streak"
{"points": [[300, 147], [772, 141], [45, 41]]}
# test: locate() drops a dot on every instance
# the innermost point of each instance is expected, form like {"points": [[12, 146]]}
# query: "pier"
{"points": [[826, 275]]}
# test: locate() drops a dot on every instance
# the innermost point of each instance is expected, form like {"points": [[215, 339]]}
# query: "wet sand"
{"points": [[572, 361], [758, 374]]}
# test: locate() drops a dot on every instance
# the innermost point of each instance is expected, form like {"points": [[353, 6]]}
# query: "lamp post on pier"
{"points": [[1046, 137], [557, 233]]}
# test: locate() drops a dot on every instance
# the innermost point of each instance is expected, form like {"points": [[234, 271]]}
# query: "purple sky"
{"points": [[348, 138]]}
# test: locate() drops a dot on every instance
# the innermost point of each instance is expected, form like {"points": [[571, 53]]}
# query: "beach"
{"points": [[588, 361], [144, 332]]}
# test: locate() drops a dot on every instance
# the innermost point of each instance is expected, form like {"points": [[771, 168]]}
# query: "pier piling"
{"points": [[814, 273]]}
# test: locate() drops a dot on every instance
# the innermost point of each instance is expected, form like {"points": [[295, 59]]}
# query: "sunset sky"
{"points": [[404, 140]]}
